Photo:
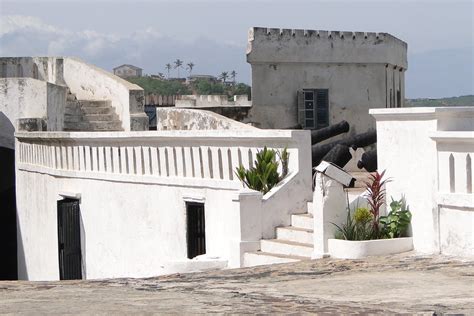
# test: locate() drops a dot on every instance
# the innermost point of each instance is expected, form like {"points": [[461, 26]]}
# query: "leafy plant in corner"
{"points": [[395, 224], [264, 176]]}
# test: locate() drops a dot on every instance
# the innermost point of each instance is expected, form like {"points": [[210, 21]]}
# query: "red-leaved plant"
{"points": [[376, 198]]}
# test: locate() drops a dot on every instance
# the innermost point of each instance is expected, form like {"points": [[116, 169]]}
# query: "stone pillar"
{"points": [[329, 206], [248, 226]]}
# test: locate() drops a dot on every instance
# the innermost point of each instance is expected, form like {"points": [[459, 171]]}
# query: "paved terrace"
{"points": [[395, 284]]}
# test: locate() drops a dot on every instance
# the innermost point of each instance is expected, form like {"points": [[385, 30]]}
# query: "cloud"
{"points": [[147, 48]]}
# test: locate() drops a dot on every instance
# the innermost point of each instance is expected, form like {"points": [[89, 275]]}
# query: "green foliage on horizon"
{"points": [[465, 100], [200, 86], [163, 87]]}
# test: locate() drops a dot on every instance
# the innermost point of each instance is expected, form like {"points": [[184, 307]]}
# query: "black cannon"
{"points": [[328, 132], [357, 141], [297, 126], [361, 140], [368, 161], [338, 155]]}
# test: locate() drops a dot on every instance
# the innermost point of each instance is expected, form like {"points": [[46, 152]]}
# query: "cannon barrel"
{"points": [[297, 126], [360, 140], [328, 132], [368, 160], [338, 155]]}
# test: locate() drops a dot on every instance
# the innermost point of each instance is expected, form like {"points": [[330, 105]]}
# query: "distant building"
{"points": [[126, 70], [194, 78], [317, 78]]}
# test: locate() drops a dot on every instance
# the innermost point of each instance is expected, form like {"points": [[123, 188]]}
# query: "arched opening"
{"points": [[8, 245]]}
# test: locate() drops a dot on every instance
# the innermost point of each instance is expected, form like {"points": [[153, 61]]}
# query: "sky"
{"points": [[213, 34]]}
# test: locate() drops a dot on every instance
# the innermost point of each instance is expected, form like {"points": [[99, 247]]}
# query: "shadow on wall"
{"points": [[8, 244], [21, 266], [7, 132], [83, 245]]}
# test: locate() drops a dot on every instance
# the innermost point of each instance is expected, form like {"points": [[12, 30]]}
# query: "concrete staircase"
{"points": [[90, 115], [293, 243]]}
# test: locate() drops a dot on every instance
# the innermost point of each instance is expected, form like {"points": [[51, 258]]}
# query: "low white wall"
{"points": [[187, 119], [407, 149], [212, 101], [133, 189]]}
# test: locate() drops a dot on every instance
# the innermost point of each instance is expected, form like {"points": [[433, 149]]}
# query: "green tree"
{"points": [[233, 74], [190, 67], [168, 68], [178, 64], [163, 87], [203, 86], [223, 76]]}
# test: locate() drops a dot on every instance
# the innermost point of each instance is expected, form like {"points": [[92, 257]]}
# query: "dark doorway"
{"points": [[69, 240], [8, 244], [196, 229]]}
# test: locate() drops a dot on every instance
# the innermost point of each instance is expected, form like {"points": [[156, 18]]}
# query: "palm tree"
{"points": [[224, 75], [178, 64], [233, 74], [168, 68], [190, 67]]}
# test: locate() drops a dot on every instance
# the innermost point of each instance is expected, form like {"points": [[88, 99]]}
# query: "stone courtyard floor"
{"points": [[406, 283]]}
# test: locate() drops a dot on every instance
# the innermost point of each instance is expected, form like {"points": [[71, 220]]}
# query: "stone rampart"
{"points": [[274, 45]]}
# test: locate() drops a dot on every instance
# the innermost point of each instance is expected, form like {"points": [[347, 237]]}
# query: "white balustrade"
{"points": [[455, 155], [197, 155]]}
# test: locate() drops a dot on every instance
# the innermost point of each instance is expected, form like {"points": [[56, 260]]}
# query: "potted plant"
{"points": [[368, 233]]}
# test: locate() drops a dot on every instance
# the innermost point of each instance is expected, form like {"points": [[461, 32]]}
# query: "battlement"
{"points": [[275, 45]]}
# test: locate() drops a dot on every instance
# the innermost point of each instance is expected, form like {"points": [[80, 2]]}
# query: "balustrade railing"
{"points": [[207, 155], [455, 155]]}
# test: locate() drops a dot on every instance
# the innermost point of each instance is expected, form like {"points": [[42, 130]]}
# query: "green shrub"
{"points": [[264, 176], [358, 226], [367, 223], [395, 224]]}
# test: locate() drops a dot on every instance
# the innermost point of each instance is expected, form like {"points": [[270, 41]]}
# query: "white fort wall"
{"points": [[428, 154], [361, 71], [133, 188]]}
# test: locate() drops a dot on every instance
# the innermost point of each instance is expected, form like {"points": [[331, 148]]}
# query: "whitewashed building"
{"points": [[316, 78]]}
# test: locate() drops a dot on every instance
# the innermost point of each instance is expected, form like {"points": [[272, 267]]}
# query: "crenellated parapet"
{"points": [[274, 45]]}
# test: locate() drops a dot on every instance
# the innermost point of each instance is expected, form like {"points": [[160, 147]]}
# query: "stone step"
{"points": [[100, 117], [258, 258], [94, 103], [284, 247], [302, 221], [76, 109], [97, 110], [93, 126], [290, 233], [90, 118]]}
